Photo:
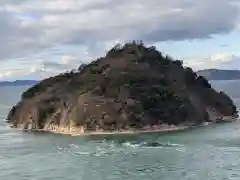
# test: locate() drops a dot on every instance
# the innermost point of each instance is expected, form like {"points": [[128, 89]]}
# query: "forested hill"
{"points": [[131, 87]]}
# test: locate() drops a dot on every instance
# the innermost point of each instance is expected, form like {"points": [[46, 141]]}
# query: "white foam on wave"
{"points": [[73, 149], [108, 148], [181, 149], [129, 144], [74, 146], [174, 145], [82, 153], [98, 150], [101, 152], [150, 145]]}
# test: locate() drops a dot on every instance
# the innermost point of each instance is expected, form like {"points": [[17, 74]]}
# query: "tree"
{"points": [[203, 82], [190, 76], [179, 63], [81, 67]]}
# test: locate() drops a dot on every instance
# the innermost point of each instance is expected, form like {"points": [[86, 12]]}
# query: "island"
{"points": [[219, 74], [133, 88]]}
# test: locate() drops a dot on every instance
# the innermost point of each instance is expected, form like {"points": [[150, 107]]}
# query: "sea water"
{"points": [[211, 152]]}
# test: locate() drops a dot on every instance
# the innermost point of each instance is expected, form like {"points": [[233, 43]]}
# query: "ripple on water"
{"points": [[106, 148], [150, 144]]}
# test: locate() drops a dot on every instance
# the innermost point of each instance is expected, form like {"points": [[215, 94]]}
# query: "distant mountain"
{"points": [[218, 74], [18, 83]]}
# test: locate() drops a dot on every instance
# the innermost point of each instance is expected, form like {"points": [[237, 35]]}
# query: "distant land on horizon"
{"points": [[18, 82], [210, 74], [219, 74]]}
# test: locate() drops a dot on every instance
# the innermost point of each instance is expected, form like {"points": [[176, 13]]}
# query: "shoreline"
{"points": [[95, 133], [124, 132], [65, 131], [163, 128]]}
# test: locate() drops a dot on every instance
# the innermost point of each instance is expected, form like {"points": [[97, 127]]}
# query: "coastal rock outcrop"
{"points": [[132, 87]]}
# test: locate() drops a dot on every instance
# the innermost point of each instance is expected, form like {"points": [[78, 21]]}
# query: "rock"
{"points": [[132, 87]]}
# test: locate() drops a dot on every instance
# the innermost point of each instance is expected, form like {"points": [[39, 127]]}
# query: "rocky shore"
{"points": [[132, 89], [81, 131]]}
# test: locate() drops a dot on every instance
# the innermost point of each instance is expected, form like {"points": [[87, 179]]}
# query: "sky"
{"points": [[41, 38]]}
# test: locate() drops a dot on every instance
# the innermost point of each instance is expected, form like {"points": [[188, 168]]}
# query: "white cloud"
{"points": [[11, 73], [31, 26], [68, 59], [213, 61], [221, 58], [65, 63], [42, 69]]}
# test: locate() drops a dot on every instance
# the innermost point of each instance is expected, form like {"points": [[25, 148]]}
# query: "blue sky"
{"points": [[41, 38]]}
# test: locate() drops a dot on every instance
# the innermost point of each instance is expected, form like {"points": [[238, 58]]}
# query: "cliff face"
{"points": [[131, 87]]}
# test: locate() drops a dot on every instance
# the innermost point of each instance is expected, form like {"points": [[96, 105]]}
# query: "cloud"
{"points": [[33, 26], [10, 73], [220, 60], [233, 64], [40, 34], [68, 59], [16, 40], [42, 69], [66, 63]]}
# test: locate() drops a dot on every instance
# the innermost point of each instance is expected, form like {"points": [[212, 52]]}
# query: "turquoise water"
{"points": [[211, 152]]}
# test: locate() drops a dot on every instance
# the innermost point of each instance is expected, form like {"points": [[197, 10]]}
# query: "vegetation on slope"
{"points": [[131, 87]]}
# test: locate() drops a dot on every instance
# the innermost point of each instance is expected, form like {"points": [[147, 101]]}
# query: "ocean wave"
{"points": [[108, 148], [72, 150], [101, 152], [136, 143], [130, 144], [79, 150], [150, 144]]}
